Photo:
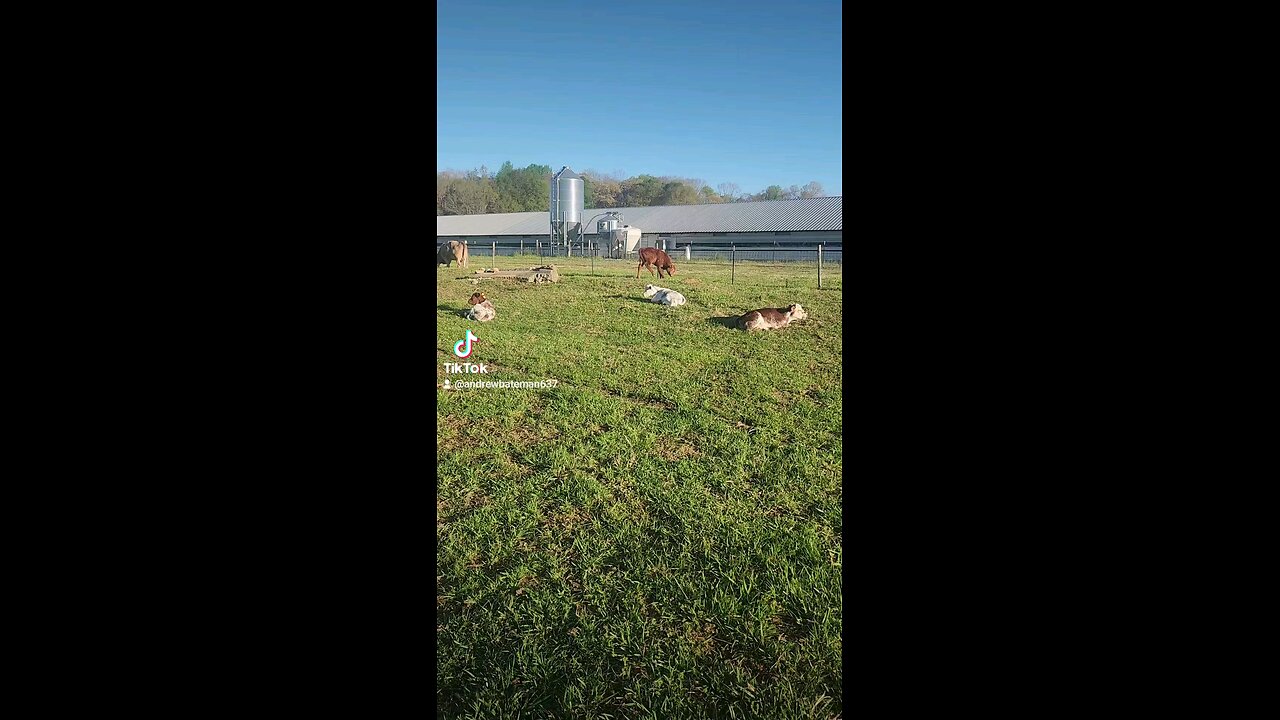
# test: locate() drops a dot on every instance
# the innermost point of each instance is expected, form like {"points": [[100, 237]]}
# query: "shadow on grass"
{"points": [[630, 297], [729, 321], [452, 310]]}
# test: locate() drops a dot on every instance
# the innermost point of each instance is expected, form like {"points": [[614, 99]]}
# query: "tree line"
{"points": [[510, 189]]}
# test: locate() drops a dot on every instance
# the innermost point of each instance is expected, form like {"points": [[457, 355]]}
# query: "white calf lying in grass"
{"points": [[663, 296]]}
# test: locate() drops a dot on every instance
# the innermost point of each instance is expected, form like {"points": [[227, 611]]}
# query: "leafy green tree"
{"points": [[462, 197], [528, 189], [525, 190], [446, 179], [640, 191], [600, 192], [677, 193]]}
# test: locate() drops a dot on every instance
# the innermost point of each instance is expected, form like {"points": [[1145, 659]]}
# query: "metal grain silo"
{"points": [[605, 228], [567, 193]]}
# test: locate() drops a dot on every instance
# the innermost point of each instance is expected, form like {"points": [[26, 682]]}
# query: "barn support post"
{"points": [[819, 267], [733, 262]]}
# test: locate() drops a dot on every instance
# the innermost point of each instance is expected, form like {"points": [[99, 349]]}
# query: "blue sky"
{"points": [[742, 92]]}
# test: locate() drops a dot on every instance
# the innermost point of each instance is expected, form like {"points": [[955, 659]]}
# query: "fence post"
{"points": [[495, 251], [819, 267], [521, 244], [687, 249], [733, 262]]}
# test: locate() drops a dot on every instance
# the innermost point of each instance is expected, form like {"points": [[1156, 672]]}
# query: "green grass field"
{"points": [[658, 536]]}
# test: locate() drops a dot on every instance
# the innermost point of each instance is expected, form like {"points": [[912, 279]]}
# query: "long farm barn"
{"points": [[776, 230]]}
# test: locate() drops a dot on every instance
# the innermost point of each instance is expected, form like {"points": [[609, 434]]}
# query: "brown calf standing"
{"points": [[653, 257]]}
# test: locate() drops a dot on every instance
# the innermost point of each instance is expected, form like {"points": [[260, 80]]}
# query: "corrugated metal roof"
{"points": [[763, 216]]}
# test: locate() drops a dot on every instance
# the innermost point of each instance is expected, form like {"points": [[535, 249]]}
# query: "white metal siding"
{"points": [[814, 214]]}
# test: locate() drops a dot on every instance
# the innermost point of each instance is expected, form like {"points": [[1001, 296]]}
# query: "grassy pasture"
{"points": [[659, 536]]}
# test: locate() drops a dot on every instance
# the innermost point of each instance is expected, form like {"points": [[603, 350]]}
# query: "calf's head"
{"points": [[796, 312], [650, 291], [476, 299]]}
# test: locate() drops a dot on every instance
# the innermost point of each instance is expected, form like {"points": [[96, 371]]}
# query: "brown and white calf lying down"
{"points": [[770, 318], [481, 308]]}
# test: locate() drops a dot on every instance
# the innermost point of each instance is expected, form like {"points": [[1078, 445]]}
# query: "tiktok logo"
{"points": [[462, 348]]}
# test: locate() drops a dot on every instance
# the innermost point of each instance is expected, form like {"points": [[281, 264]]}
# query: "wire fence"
{"points": [[780, 252], [791, 265]]}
